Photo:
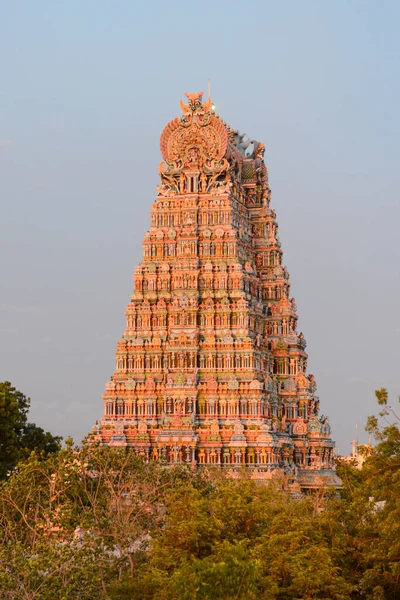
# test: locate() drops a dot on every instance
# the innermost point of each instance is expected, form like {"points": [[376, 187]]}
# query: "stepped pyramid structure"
{"points": [[211, 369]]}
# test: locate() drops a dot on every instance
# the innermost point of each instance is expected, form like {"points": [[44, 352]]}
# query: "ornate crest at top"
{"points": [[197, 134]]}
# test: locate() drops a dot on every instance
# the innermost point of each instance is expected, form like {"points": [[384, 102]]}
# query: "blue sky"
{"points": [[86, 88]]}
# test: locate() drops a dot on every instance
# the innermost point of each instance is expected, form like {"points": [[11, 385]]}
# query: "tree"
{"points": [[18, 437], [370, 508], [240, 539], [35, 438], [381, 481], [76, 525], [14, 407]]}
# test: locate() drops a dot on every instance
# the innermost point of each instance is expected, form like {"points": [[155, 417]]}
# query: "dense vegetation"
{"points": [[99, 523], [18, 437]]}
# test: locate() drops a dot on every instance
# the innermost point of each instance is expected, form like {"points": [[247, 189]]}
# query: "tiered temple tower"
{"points": [[211, 369]]}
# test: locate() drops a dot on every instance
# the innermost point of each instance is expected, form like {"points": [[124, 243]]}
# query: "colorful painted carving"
{"points": [[211, 369]]}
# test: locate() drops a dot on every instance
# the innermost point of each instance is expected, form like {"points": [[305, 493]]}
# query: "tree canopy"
{"points": [[18, 437]]}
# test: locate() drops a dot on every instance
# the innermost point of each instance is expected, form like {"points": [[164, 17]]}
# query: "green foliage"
{"points": [[18, 438], [382, 396], [14, 407], [80, 516], [34, 438], [228, 572], [99, 522]]}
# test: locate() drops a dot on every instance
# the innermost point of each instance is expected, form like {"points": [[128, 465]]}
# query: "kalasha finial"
{"points": [[195, 103]]}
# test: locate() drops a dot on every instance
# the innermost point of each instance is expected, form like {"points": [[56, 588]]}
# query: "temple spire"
{"points": [[211, 369]]}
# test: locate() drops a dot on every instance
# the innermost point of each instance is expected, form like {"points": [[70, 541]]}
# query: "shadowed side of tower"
{"points": [[211, 369]]}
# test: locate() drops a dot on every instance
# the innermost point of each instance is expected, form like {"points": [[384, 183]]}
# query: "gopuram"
{"points": [[211, 369]]}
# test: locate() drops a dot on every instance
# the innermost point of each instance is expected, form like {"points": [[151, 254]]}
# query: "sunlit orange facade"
{"points": [[211, 369]]}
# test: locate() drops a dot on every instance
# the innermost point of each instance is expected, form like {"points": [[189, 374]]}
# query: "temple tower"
{"points": [[211, 369]]}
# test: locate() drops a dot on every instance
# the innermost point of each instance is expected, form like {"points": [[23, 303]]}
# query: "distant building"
{"points": [[211, 369], [359, 453]]}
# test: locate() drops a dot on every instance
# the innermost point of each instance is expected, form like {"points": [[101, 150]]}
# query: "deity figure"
{"points": [[203, 182], [182, 182]]}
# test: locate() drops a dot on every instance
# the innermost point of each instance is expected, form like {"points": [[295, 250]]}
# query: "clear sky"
{"points": [[86, 88]]}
